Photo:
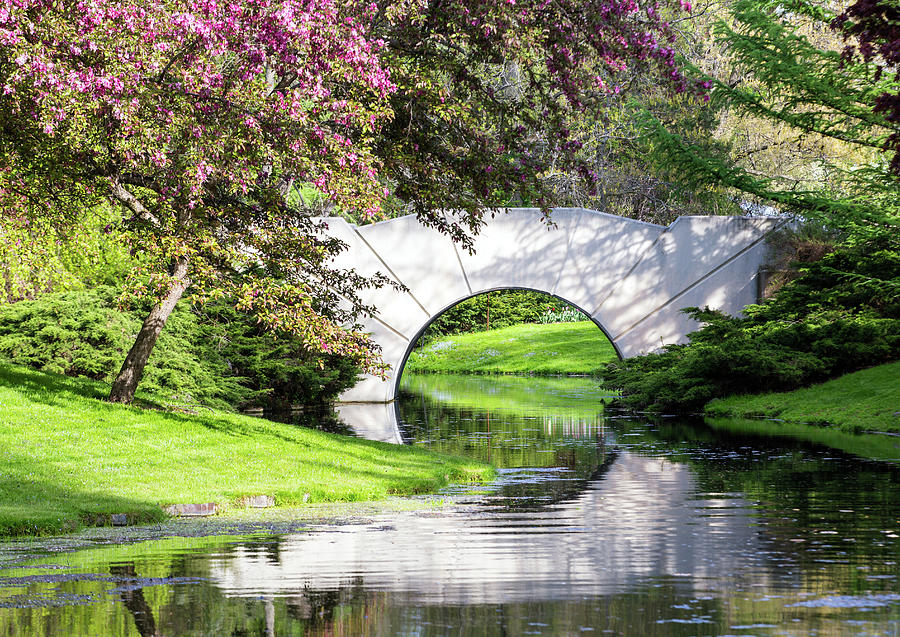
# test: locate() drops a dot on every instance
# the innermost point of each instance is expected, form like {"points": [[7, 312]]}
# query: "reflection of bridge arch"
{"points": [[640, 523], [630, 277]]}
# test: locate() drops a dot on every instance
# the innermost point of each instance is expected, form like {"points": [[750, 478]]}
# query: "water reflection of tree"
{"points": [[536, 495], [133, 599], [824, 513], [506, 439], [354, 610]]}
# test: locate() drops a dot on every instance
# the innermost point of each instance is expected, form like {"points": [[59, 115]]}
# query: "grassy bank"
{"points": [[867, 400], [556, 348], [69, 459]]}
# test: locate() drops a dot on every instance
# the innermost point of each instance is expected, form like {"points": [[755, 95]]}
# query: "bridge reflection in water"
{"points": [[580, 509], [640, 520], [597, 524]]}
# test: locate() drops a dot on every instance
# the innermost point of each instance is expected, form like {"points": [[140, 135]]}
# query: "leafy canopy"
{"points": [[200, 118], [818, 93]]}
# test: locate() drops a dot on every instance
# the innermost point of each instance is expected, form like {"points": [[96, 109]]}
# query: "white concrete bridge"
{"points": [[630, 277]]}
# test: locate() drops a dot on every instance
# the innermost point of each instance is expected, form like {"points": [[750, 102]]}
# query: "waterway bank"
{"points": [[863, 401], [70, 460], [885, 447], [598, 522]]}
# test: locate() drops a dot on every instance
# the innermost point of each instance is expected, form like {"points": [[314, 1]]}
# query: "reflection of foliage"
{"points": [[788, 491], [574, 398], [499, 420], [802, 489]]}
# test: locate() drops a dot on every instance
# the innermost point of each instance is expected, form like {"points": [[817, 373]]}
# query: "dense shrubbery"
{"points": [[277, 370], [565, 314], [506, 307], [841, 315], [215, 356]]}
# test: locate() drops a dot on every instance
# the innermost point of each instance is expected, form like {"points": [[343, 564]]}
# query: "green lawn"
{"points": [[68, 459], [556, 348], [867, 400]]}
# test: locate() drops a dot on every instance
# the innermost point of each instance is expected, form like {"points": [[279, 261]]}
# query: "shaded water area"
{"points": [[598, 524]]}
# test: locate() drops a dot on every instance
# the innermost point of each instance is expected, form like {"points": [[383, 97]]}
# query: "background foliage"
{"points": [[794, 80], [37, 257], [506, 307], [805, 129], [216, 356]]}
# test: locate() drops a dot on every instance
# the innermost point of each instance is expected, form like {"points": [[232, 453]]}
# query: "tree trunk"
{"points": [[126, 382]]}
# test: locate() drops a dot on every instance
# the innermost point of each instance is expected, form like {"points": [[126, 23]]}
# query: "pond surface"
{"points": [[598, 524]]}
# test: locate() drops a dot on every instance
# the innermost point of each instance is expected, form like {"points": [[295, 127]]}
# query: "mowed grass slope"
{"points": [[68, 459], [556, 348], [867, 400]]}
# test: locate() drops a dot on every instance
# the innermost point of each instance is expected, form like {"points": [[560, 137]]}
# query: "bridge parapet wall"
{"points": [[631, 277]]}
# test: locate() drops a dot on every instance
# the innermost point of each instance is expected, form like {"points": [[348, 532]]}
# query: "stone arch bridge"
{"points": [[630, 277]]}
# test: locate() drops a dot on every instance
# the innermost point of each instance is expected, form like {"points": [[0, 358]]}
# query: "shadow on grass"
{"points": [[55, 390], [36, 382], [38, 497], [51, 389], [41, 507]]}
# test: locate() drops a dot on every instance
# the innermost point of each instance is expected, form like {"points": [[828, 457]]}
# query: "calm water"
{"points": [[598, 525]]}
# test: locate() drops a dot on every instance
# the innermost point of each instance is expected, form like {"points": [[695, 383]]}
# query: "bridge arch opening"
{"points": [[632, 277], [550, 298]]}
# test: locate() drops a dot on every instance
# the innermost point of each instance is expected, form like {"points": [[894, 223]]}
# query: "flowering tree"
{"points": [[199, 117]]}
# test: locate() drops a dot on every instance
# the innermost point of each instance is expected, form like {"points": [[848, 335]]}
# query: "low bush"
{"points": [[214, 356], [276, 369]]}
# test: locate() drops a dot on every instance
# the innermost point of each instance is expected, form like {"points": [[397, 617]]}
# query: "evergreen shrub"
{"points": [[213, 356], [842, 314]]}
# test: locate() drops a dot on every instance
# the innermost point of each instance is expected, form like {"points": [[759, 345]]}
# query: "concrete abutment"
{"points": [[631, 277]]}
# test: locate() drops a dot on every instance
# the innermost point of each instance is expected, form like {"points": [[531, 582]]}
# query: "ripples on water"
{"points": [[597, 524]]}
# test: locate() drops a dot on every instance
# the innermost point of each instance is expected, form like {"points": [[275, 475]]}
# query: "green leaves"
{"points": [[817, 109], [216, 357], [841, 315]]}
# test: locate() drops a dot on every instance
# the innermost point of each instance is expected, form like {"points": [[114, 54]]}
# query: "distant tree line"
{"points": [[494, 310]]}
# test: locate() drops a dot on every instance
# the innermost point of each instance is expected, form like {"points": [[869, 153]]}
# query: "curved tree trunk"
{"points": [[126, 382]]}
